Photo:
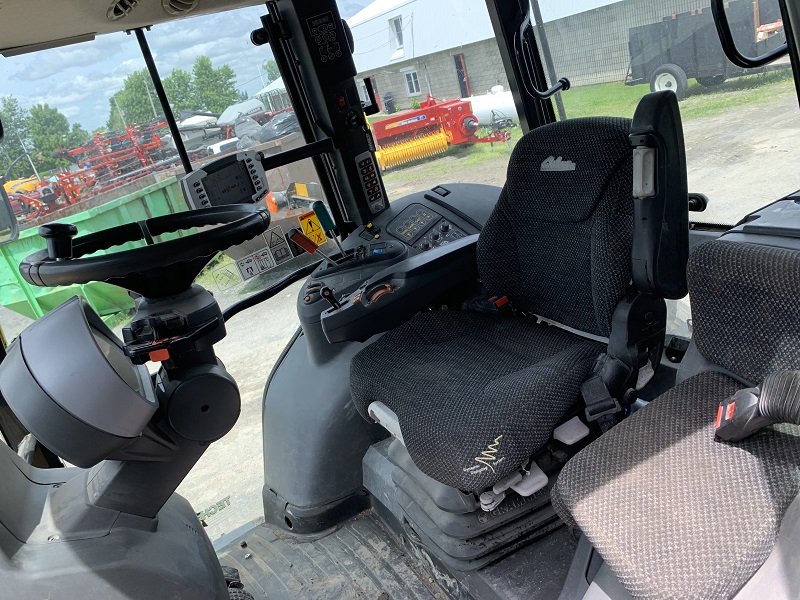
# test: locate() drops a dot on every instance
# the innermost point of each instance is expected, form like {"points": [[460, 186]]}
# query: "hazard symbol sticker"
{"points": [[309, 224]]}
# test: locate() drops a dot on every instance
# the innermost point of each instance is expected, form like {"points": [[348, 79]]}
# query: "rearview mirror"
{"points": [[9, 230], [752, 34]]}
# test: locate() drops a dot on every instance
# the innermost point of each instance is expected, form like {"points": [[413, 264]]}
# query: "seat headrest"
{"points": [[557, 172], [746, 307]]}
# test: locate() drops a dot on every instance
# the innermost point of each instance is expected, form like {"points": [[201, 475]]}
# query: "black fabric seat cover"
{"points": [[467, 386], [499, 381], [674, 513]]}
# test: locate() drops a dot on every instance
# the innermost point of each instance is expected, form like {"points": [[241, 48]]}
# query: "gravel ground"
{"points": [[720, 151]]}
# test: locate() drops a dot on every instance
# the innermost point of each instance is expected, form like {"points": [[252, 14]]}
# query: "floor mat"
{"points": [[360, 560]]}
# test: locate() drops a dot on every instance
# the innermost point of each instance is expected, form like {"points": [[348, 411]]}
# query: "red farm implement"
{"points": [[428, 131]]}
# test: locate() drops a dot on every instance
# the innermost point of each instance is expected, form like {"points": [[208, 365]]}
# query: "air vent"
{"points": [[178, 7], [121, 9]]}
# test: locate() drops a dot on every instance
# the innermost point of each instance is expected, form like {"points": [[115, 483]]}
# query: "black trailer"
{"points": [[681, 46]]}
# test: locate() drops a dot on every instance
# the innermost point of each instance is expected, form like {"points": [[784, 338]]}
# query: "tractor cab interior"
{"points": [[505, 392]]}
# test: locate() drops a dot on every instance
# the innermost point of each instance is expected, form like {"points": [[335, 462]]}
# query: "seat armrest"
{"points": [[394, 295]]}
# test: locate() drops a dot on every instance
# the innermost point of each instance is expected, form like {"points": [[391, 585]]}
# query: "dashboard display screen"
{"points": [[229, 185]]}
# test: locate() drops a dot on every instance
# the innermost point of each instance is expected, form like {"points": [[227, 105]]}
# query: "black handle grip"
{"points": [[59, 239]]}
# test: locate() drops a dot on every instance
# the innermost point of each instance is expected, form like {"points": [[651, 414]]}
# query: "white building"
{"points": [[414, 47]]}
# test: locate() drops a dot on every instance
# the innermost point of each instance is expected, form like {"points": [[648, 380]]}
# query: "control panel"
{"points": [[235, 179], [323, 32], [358, 264], [423, 228], [373, 189]]}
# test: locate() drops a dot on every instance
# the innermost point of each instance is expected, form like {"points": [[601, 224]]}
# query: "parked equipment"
{"points": [[428, 131], [682, 46]]}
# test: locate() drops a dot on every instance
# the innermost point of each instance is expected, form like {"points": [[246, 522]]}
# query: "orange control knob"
{"points": [[386, 288]]}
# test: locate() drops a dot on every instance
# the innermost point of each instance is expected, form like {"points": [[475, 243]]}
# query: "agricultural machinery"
{"points": [[430, 130]]}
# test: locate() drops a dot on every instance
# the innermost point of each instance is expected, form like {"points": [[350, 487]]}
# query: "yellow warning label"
{"points": [[309, 223]]}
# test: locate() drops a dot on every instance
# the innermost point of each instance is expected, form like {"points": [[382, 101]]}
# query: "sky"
{"points": [[78, 80]]}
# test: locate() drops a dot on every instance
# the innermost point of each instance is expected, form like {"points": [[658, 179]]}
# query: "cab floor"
{"points": [[361, 560]]}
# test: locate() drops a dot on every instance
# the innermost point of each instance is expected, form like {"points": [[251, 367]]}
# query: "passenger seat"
{"points": [[672, 511]]}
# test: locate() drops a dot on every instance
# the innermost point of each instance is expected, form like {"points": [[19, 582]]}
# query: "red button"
{"points": [[342, 102], [159, 355]]}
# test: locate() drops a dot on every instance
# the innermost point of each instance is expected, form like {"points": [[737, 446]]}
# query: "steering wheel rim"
{"points": [[157, 269]]}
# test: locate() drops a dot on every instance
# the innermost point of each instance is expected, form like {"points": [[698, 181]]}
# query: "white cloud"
{"points": [[70, 111], [126, 67]]}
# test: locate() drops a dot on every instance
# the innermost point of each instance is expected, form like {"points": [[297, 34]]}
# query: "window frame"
{"points": [[410, 76], [396, 27]]}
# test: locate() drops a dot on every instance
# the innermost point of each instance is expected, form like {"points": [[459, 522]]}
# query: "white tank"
{"points": [[501, 102]]}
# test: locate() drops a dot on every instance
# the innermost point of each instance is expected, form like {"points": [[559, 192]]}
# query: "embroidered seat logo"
{"points": [[489, 456], [551, 163]]}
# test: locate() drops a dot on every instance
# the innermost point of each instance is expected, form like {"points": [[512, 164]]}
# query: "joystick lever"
{"points": [[326, 221], [327, 293], [307, 244], [59, 239]]}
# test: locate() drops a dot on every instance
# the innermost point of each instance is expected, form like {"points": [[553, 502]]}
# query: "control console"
{"points": [[421, 246], [423, 228], [350, 270]]}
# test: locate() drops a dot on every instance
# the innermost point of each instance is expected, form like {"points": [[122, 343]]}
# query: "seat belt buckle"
{"points": [[599, 402], [489, 304]]}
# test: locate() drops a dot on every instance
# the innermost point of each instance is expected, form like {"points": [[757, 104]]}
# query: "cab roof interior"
{"points": [[31, 25]]}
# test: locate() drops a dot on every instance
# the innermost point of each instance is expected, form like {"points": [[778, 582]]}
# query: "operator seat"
{"points": [[476, 394], [674, 513]]}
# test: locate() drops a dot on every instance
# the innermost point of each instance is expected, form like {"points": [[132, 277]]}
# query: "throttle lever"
{"points": [[327, 293]]}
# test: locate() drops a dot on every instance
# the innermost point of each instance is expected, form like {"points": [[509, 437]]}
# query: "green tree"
{"points": [[136, 101], [213, 89], [50, 130], [270, 67], [178, 86], [78, 136], [15, 124]]}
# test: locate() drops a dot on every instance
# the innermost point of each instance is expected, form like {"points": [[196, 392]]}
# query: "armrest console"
{"points": [[395, 294]]}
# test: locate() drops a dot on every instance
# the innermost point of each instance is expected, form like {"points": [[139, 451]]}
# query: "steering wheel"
{"points": [[156, 270]]}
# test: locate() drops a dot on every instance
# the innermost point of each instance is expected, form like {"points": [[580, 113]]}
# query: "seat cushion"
{"points": [[674, 513], [475, 394]]}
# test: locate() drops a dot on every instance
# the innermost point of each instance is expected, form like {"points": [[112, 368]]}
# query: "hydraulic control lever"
{"points": [[326, 221], [307, 244], [327, 293]]}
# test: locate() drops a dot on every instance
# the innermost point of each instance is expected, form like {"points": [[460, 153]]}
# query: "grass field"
{"points": [[620, 100]]}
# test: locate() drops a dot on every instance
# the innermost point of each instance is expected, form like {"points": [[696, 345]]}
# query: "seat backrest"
{"points": [[558, 243], [745, 308]]}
